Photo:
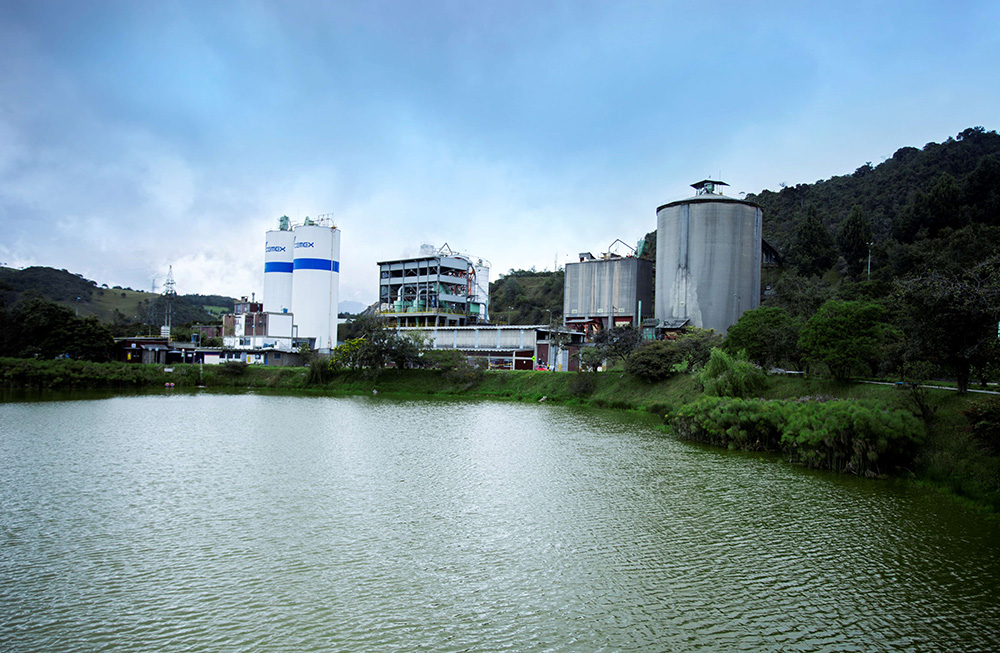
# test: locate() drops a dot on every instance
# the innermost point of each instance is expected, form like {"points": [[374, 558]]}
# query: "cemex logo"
{"points": [[274, 248], [304, 244]]}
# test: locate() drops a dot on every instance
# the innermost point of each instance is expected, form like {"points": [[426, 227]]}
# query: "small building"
{"points": [[438, 288], [249, 327], [140, 349], [506, 347], [161, 351], [268, 357]]}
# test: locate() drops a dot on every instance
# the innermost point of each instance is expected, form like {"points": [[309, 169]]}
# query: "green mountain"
{"points": [[916, 196], [118, 306]]}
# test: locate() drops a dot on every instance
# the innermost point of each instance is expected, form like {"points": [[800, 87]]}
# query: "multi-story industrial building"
{"points": [[438, 288]]}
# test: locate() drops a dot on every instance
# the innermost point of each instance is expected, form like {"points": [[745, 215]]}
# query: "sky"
{"points": [[140, 135]]}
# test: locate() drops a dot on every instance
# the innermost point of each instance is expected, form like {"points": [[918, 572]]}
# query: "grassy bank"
{"points": [[946, 456]]}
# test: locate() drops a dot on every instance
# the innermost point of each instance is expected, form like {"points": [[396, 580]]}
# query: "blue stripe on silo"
{"points": [[277, 266], [324, 264]]}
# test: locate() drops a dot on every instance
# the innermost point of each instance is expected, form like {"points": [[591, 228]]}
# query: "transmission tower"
{"points": [[168, 297]]}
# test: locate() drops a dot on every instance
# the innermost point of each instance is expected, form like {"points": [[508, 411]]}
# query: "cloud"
{"points": [[138, 136]]}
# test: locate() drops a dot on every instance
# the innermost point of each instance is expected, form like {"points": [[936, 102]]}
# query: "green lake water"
{"points": [[214, 522]]}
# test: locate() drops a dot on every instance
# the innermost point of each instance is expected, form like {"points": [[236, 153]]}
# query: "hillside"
{"points": [[116, 305], [527, 297], [913, 195]]}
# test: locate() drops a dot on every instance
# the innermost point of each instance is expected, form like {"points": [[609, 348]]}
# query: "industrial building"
{"points": [[506, 347], [249, 326], [606, 292], [438, 288], [708, 258], [301, 293]]}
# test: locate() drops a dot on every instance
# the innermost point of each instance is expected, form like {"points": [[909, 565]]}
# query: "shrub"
{"points": [[852, 436], [731, 376], [984, 425], [232, 369], [654, 361], [847, 436]]}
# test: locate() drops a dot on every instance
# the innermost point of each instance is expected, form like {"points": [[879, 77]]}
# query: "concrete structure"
{"points": [[250, 327], [438, 288], [505, 347], [607, 292], [708, 258], [316, 282], [278, 266]]}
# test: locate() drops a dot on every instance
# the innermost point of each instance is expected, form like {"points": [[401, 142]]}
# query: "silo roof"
{"points": [[708, 198]]}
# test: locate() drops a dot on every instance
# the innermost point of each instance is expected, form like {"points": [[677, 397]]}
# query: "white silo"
{"points": [[708, 255], [278, 267], [316, 281], [482, 289]]}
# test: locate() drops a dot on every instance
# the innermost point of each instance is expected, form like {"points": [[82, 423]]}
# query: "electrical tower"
{"points": [[168, 296]]}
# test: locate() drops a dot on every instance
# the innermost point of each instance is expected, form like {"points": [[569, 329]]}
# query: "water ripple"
{"points": [[253, 523]]}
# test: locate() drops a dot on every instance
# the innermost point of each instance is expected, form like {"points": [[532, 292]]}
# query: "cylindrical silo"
{"points": [[483, 287], [316, 283], [707, 259], [278, 266]]}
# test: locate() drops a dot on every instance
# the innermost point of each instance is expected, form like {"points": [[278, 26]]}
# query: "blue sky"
{"points": [[137, 135]]}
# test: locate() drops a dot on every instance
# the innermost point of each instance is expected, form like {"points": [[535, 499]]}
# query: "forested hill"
{"points": [[527, 297], [117, 305], [911, 196]]}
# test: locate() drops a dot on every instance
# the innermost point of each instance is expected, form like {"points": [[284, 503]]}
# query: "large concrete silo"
{"points": [[708, 255], [316, 282], [278, 265]]}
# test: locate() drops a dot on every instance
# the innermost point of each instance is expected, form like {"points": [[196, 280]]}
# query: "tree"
{"points": [[854, 237], [930, 212], [768, 335], [39, 328], [731, 376], [846, 336], [376, 346], [618, 342], [591, 358], [800, 296], [952, 317], [812, 250], [696, 344]]}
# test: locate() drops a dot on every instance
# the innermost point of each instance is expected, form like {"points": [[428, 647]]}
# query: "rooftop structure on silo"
{"points": [[708, 258]]}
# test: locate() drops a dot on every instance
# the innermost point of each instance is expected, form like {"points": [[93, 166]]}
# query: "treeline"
{"points": [[34, 327], [56, 285]]}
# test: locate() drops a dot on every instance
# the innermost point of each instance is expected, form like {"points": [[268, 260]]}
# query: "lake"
{"points": [[249, 522]]}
